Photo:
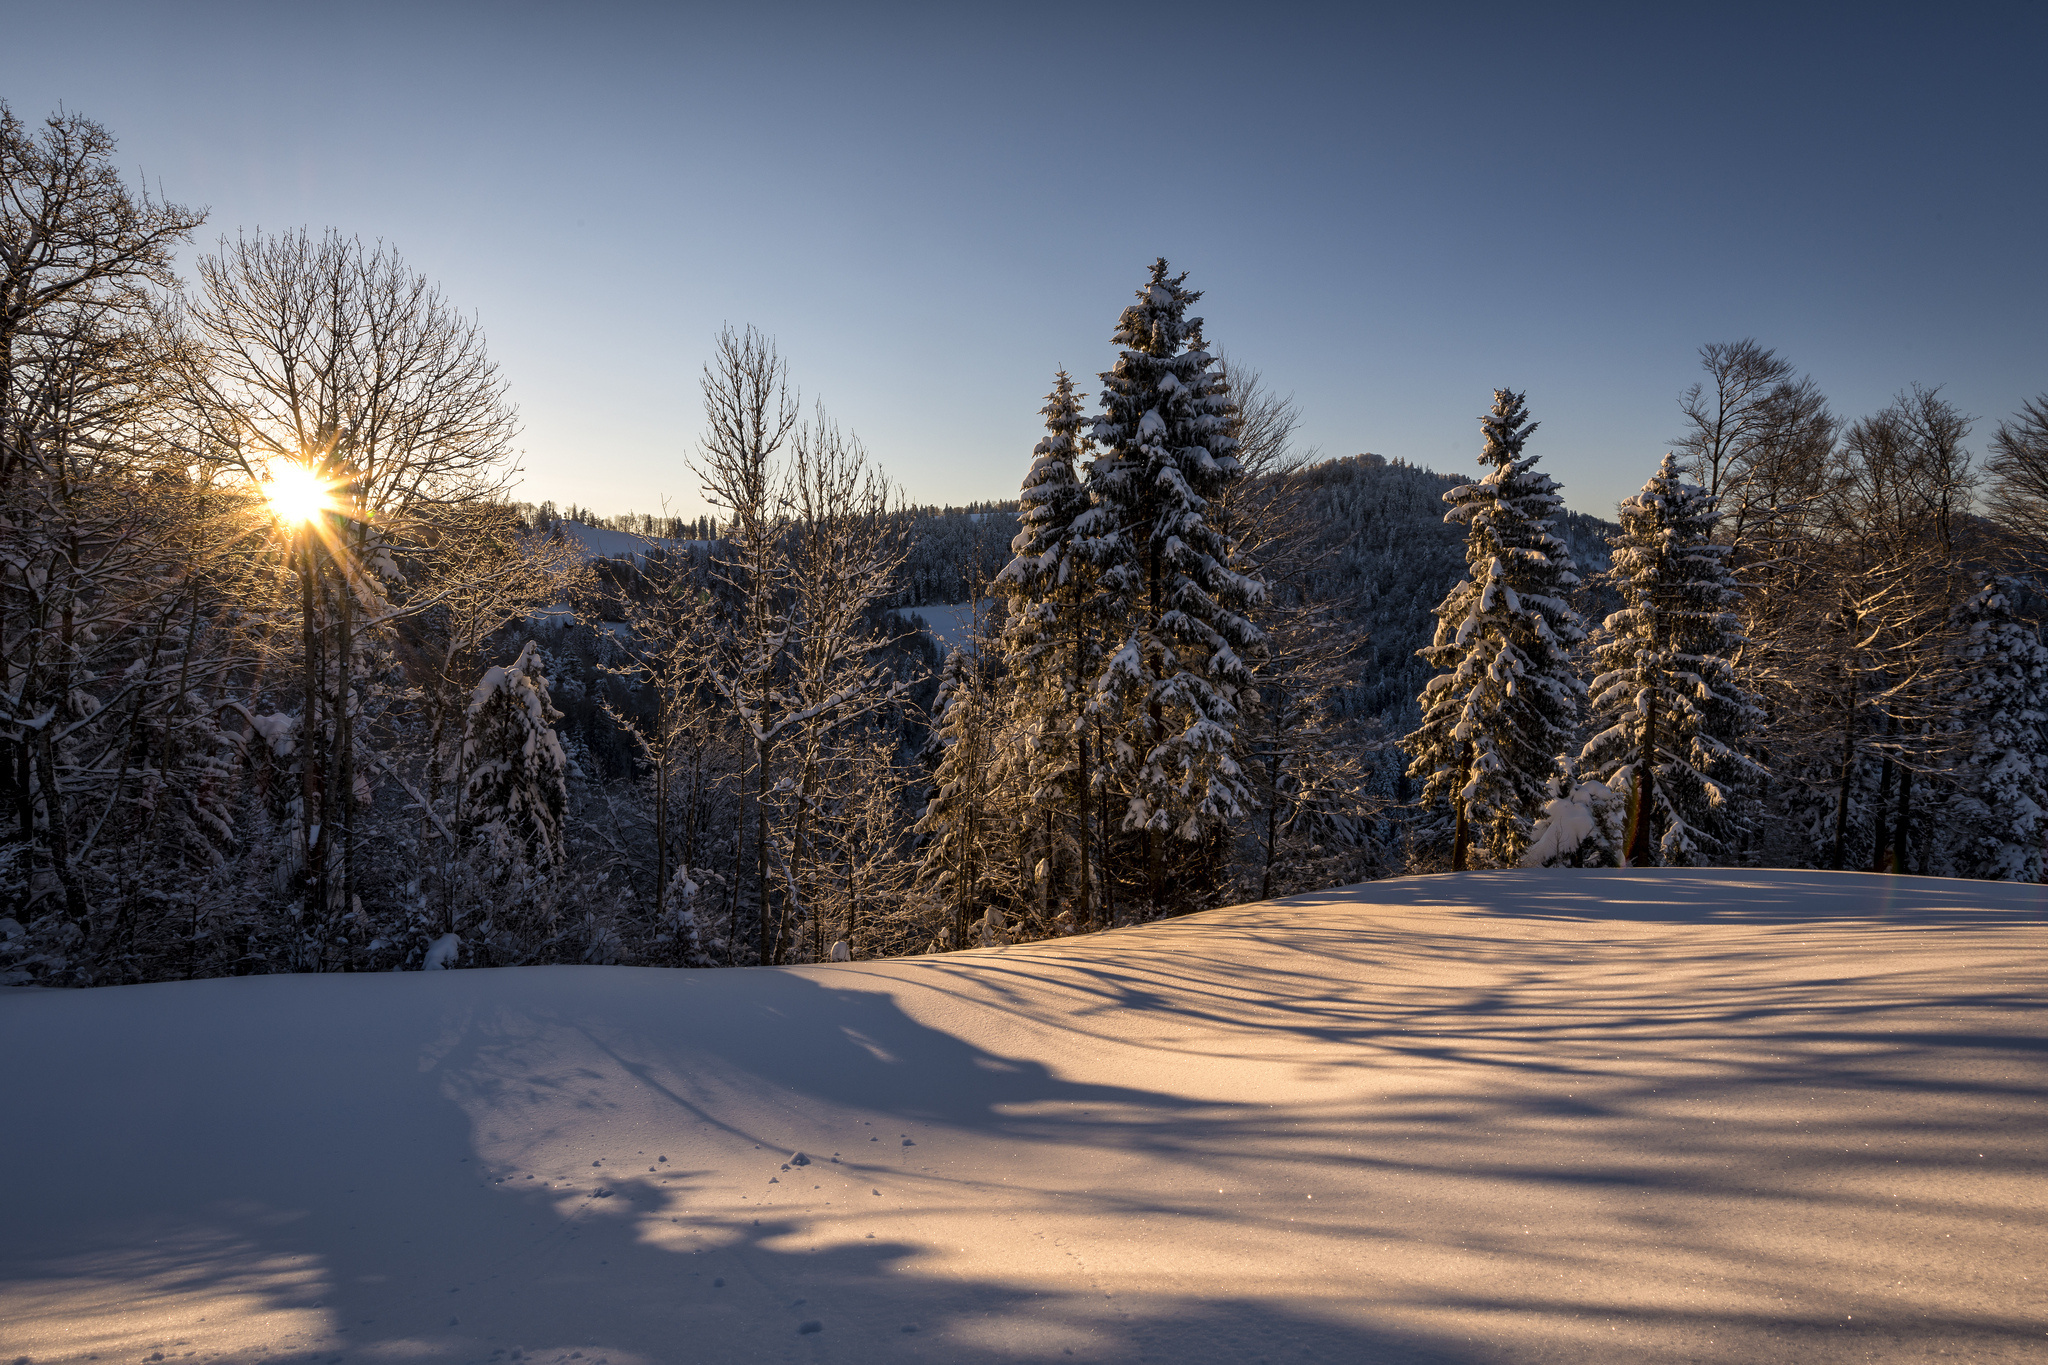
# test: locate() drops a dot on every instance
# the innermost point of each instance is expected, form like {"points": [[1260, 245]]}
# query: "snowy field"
{"points": [[1536, 1116]]}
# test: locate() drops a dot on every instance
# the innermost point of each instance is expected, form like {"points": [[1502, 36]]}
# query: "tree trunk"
{"points": [[1102, 823], [313, 904], [661, 829], [56, 827], [1461, 844], [1902, 824], [344, 765], [1880, 830], [1840, 852], [1641, 840], [1272, 801], [1084, 917], [768, 945]]}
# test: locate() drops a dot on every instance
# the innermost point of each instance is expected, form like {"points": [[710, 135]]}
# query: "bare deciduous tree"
{"points": [[321, 353], [2019, 472]]}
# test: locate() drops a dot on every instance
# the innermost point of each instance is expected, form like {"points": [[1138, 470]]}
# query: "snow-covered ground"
{"points": [[599, 543], [952, 625], [1561, 1116]]}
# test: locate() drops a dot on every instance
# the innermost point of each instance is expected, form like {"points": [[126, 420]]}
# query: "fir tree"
{"points": [[2003, 776], [1179, 680], [1506, 701], [1052, 645], [1671, 714], [515, 780]]}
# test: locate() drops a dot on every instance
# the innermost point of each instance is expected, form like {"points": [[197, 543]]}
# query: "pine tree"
{"points": [[1179, 681], [1052, 645], [1671, 714], [515, 782], [2003, 776], [1507, 701], [955, 828]]}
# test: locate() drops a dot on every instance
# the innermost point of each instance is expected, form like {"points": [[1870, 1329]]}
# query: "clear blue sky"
{"points": [[1391, 210]]}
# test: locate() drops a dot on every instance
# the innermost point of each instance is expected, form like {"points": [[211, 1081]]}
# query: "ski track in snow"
{"points": [[1557, 1116]]}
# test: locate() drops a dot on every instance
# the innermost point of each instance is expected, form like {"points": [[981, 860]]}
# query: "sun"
{"points": [[296, 493]]}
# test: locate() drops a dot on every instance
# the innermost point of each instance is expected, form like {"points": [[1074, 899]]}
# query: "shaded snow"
{"points": [[952, 624], [1596, 1116]]}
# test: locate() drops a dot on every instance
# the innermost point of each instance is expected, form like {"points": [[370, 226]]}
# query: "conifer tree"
{"points": [[1670, 712], [1179, 679], [954, 828], [1052, 645], [2003, 775], [515, 782], [1507, 701]]}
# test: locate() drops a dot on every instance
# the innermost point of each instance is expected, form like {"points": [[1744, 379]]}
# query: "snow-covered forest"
{"points": [[289, 681]]}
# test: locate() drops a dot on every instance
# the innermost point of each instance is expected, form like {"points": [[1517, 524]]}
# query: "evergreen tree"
{"points": [[1052, 647], [1671, 714], [2003, 776], [954, 828], [1179, 680], [515, 780], [1506, 700]]}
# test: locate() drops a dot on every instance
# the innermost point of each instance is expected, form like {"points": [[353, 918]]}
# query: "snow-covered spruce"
{"points": [[1508, 699], [1179, 680], [2002, 723], [1052, 650], [955, 827], [1671, 715], [515, 778]]}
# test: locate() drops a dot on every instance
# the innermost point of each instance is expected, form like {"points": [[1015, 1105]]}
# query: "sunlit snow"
{"points": [[1587, 1116]]}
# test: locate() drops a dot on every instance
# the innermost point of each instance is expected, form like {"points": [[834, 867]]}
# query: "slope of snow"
{"points": [[599, 543], [1572, 1116], [952, 624]]}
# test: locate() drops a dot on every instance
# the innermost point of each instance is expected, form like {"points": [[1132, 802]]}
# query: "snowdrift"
{"points": [[1584, 1116]]}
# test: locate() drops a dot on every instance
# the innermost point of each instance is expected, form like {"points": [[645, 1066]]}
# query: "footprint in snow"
{"points": [[812, 1326]]}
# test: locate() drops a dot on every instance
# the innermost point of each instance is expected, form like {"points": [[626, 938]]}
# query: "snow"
{"points": [[442, 953], [1602, 1116], [952, 625], [599, 543]]}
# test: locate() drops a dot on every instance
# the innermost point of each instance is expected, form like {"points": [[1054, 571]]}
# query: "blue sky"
{"points": [[1391, 210]]}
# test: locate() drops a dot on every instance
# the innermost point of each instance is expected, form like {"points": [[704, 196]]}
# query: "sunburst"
{"points": [[296, 493]]}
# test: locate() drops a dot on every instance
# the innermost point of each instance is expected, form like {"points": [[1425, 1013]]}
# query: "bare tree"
{"points": [[1758, 440], [844, 560], [749, 416], [73, 238], [79, 255], [324, 356], [2019, 471]]}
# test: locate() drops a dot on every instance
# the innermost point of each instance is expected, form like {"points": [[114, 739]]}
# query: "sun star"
{"points": [[296, 493]]}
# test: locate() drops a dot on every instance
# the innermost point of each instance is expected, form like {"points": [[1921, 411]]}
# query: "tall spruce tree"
{"points": [[956, 862], [1671, 715], [2003, 723], [1507, 701], [1179, 679], [1052, 644]]}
